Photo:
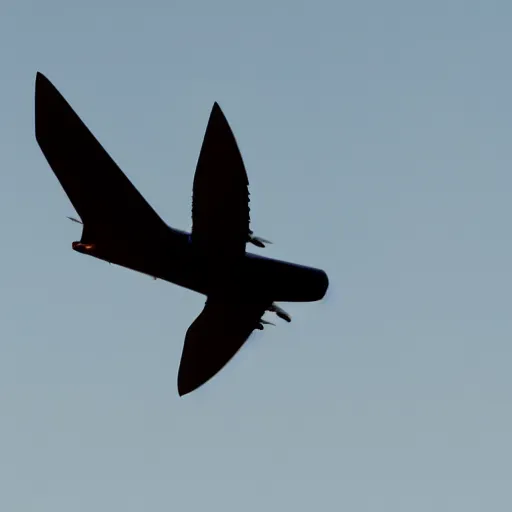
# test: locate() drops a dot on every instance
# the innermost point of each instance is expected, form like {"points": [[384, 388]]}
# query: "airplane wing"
{"points": [[214, 338], [220, 207], [100, 192]]}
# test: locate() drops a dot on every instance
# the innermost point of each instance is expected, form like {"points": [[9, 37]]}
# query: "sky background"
{"points": [[376, 137]]}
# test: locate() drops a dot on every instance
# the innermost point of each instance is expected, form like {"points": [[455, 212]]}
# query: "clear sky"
{"points": [[376, 137]]}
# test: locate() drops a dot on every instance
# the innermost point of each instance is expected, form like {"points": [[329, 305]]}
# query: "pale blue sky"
{"points": [[377, 140]]}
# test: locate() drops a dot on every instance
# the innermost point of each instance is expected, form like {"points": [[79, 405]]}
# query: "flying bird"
{"points": [[120, 227]]}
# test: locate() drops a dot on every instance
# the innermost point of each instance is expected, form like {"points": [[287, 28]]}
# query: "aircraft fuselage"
{"points": [[171, 256]]}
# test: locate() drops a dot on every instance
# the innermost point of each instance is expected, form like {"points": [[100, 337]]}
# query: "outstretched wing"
{"points": [[214, 338], [101, 194], [220, 207]]}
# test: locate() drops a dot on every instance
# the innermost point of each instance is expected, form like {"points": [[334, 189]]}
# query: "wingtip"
{"points": [[188, 381], [185, 390], [216, 110], [185, 385], [217, 116], [42, 95], [40, 79], [43, 87]]}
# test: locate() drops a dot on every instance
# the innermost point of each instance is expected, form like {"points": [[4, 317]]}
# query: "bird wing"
{"points": [[100, 192], [215, 337], [220, 203]]}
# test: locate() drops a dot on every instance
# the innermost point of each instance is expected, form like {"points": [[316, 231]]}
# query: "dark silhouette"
{"points": [[120, 227]]}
